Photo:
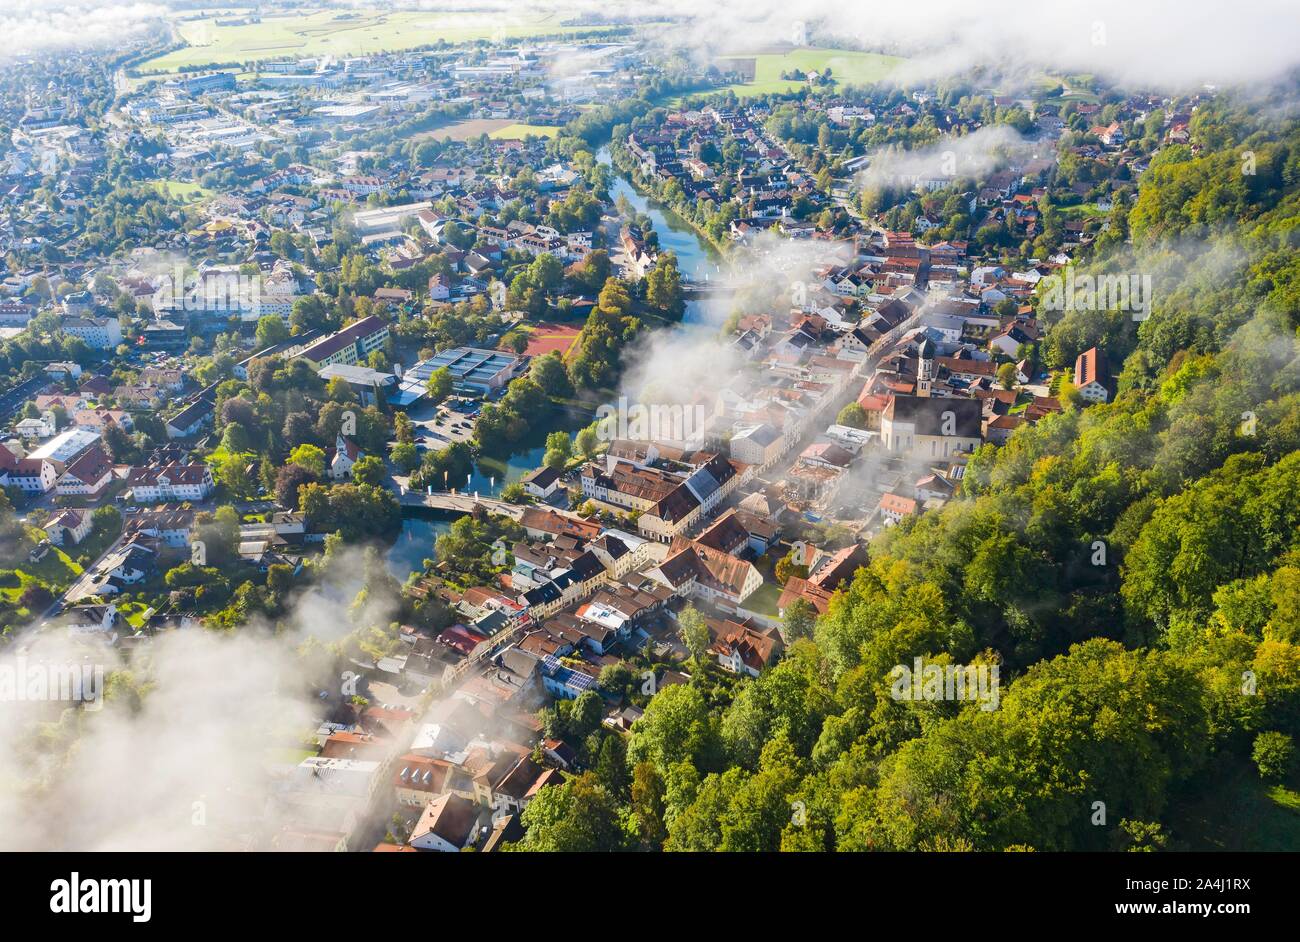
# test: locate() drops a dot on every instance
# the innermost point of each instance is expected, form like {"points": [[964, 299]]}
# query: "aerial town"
{"points": [[524, 437]]}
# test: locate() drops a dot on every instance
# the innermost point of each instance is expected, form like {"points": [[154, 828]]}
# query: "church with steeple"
{"points": [[925, 368]]}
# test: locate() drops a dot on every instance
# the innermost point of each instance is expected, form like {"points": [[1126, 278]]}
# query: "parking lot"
{"points": [[437, 427]]}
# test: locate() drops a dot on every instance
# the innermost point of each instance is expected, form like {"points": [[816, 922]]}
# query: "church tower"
{"points": [[925, 369]]}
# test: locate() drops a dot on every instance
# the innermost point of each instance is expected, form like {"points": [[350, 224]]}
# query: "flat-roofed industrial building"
{"points": [[473, 370]]}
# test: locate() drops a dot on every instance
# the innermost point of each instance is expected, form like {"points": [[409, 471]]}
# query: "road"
{"points": [[80, 588], [844, 200], [816, 425], [13, 400]]}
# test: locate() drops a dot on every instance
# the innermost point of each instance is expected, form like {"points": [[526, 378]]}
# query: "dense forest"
{"points": [[1132, 568]]}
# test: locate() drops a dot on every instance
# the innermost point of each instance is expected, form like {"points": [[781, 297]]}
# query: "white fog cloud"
{"points": [[31, 26], [195, 764], [1160, 43], [1167, 44], [974, 155]]}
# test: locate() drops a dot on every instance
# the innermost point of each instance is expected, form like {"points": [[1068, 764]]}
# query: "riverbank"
{"points": [[697, 258], [720, 250]]}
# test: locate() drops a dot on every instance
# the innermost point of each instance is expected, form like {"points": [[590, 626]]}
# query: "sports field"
{"points": [[342, 33], [545, 338], [848, 67]]}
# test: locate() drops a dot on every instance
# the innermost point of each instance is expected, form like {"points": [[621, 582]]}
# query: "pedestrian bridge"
{"points": [[454, 502]]}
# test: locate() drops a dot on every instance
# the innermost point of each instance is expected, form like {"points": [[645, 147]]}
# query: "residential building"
{"points": [[757, 445], [88, 475], [542, 482], [349, 346], [742, 648], [696, 570], [190, 420], [33, 475], [1091, 375], [158, 483], [68, 527], [101, 333], [449, 824]]}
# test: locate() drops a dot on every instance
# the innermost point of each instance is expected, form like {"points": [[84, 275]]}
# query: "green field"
{"points": [[848, 67], [57, 571], [182, 190], [134, 613], [1073, 88], [497, 128], [517, 132], [1082, 211], [340, 33]]}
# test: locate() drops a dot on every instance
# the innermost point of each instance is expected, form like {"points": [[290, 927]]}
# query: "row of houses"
{"points": [[76, 464]]}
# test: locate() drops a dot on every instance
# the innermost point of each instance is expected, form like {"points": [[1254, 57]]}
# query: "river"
{"points": [[420, 528], [697, 260]]}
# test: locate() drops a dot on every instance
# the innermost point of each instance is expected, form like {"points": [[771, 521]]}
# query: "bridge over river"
{"points": [[458, 503], [693, 290]]}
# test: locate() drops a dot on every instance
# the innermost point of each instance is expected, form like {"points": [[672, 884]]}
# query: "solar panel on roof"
{"points": [[566, 675]]}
